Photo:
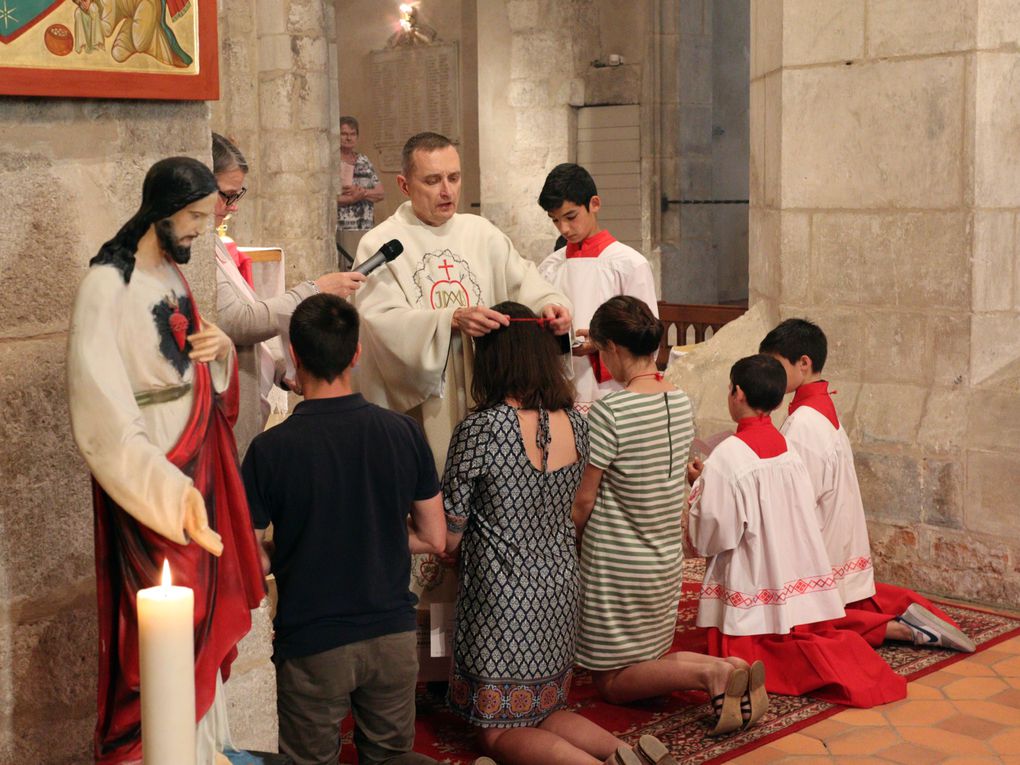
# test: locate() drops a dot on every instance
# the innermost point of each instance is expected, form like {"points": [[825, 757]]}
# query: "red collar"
{"points": [[591, 247], [816, 396], [761, 435]]}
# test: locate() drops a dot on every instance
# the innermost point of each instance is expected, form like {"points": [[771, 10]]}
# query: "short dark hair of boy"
{"points": [[762, 379], [567, 183], [522, 362], [324, 335], [427, 142], [629, 323], [350, 122], [794, 338]]}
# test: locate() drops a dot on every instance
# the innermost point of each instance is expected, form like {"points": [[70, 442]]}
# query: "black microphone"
{"points": [[386, 253]]}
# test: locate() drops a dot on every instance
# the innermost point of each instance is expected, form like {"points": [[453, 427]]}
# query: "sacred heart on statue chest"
{"points": [[173, 318], [445, 280]]}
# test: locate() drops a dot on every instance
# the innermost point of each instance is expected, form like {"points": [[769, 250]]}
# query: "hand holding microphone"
{"points": [[346, 283], [342, 283]]}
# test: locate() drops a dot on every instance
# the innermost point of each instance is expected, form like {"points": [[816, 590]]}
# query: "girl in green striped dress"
{"points": [[627, 515]]}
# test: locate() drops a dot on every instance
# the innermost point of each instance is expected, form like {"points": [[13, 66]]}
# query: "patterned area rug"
{"points": [[682, 719]]}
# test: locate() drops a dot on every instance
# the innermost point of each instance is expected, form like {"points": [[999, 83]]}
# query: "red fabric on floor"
{"points": [[835, 665], [892, 601]]}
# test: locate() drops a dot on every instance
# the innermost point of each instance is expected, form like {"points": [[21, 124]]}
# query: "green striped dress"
{"points": [[632, 548]]}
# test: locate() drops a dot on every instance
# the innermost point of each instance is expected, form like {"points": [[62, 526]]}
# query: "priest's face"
{"points": [[177, 233], [433, 185]]}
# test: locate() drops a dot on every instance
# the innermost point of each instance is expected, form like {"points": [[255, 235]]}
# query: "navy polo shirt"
{"points": [[337, 479]]}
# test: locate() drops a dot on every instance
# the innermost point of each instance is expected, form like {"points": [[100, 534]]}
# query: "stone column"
{"points": [[884, 206], [525, 116], [298, 137], [236, 114]]}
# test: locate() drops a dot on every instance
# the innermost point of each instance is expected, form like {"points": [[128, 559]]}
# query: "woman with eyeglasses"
{"points": [[251, 321]]}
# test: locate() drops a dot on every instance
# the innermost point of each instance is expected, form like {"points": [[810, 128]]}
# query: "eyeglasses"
{"points": [[229, 199]]}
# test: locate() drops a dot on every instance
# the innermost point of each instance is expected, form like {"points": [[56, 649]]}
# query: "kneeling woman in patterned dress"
{"points": [[511, 473]]}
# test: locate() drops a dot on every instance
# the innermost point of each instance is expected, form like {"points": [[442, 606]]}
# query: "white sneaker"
{"points": [[930, 630]]}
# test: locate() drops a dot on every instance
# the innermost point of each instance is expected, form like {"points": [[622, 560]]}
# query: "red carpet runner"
{"points": [[682, 719]]}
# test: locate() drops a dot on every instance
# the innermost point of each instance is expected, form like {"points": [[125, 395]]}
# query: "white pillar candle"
{"points": [[167, 672]]}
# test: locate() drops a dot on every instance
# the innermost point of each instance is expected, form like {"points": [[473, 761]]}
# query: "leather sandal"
{"points": [[756, 699], [727, 704], [654, 751], [623, 755]]}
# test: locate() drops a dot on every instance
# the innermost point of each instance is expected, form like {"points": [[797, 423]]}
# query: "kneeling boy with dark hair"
{"points": [[768, 593], [351, 490], [877, 611]]}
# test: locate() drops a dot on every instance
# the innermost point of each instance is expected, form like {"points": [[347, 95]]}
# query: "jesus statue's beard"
{"points": [[170, 244]]}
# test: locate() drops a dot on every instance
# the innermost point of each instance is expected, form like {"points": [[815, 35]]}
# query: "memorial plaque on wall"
{"points": [[414, 89]]}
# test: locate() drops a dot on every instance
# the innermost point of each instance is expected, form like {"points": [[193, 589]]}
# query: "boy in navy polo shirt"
{"points": [[351, 490]]}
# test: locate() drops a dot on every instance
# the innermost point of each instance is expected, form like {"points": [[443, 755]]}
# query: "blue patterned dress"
{"points": [[517, 607]]}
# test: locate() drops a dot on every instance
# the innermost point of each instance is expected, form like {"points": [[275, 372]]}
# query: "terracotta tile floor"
{"points": [[965, 714]]}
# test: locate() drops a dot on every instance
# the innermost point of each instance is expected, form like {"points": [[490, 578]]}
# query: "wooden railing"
{"points": [[687, 315]]}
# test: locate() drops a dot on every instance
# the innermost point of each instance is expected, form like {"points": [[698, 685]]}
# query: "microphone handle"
{"points": [[371, 264]]}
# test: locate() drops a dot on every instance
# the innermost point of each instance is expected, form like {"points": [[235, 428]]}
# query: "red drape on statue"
{"points": [[129, 557], [817, 660]]}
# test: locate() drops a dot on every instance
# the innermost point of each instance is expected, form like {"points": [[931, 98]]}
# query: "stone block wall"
{"points": [[884, 207], [71, 175]]}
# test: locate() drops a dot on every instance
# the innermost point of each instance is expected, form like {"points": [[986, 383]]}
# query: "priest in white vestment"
{"points": [[420, 310], [419, 313]]}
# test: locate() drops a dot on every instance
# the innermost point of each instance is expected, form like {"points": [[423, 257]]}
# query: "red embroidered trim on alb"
{"points": [[738, 599], [862, 563]]}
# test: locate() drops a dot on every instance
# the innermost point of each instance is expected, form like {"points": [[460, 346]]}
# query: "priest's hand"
{"points": [[196, 523], [210, 343], [694, 468], [478, 320], [342, 283], [582, 345], [559, 318]]}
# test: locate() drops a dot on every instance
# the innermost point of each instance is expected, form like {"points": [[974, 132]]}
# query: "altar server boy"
{"points": [[768, 592], [591, 268], [879, 611]]}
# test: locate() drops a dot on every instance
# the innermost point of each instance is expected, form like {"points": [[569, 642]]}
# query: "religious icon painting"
{"points": [[152, 49]]}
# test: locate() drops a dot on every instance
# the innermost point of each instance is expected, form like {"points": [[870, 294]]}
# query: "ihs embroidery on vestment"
{"points": [[173, 318], [445, 281]]}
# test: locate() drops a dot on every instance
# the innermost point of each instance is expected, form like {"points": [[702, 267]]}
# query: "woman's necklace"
{"points": [[656, 375]]}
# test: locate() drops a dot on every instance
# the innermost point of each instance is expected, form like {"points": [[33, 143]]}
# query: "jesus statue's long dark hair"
{"points": [[170, 185]]}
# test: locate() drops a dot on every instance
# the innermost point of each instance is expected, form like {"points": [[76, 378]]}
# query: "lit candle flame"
{"points": [[406, 8], [166, 573]]}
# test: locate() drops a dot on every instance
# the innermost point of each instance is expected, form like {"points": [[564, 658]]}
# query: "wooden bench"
{"points": [[686, 315]]}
